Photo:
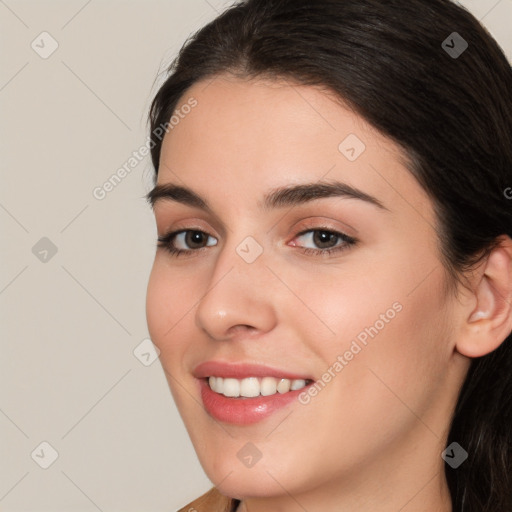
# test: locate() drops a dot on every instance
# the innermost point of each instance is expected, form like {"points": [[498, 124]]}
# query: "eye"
{"points": [[189, 241], [185, 241], [326, 241]]}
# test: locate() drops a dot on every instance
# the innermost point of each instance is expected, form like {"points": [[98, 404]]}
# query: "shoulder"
{"points": [[211, 501]]}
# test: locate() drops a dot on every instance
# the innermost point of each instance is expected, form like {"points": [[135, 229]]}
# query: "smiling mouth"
{"points": [[252, 387]]}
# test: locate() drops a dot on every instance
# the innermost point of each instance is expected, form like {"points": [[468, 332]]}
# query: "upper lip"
{"points": [[243, 370]]}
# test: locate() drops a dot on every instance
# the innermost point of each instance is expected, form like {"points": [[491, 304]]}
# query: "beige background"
{"points": [[73, 370]]}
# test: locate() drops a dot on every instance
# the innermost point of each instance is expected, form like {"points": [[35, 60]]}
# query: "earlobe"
{"points": [[489, 323]]}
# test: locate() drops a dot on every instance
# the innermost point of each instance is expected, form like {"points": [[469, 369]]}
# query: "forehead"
{"points": [[247, 136], [270, 115]]}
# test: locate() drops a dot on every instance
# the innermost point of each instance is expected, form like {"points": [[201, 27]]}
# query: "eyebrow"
{"points": [[276, 198]]}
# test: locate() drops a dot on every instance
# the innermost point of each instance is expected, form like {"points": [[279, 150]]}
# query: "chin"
{"points": [[266, 478], [253, 485]]}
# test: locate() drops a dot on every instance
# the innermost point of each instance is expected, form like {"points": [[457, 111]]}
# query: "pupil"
{"points": [[194, 237], [324, 237]]}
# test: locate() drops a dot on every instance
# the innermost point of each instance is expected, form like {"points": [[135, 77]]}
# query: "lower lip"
{"points": [[244, 411]]}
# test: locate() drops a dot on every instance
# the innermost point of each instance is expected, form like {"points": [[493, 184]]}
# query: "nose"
{"points": [[238, 299]]}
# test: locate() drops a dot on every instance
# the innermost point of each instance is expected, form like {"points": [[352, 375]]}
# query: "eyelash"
{"points": [[166, 242]]}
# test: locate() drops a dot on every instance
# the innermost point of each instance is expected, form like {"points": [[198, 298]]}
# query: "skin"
{"points": [[372, 438]]}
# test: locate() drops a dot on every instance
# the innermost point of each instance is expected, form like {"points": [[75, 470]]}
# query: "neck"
{"points": [[433, 496], [405, 483]]}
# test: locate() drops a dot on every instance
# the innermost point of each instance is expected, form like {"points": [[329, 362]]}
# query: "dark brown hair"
{"points": [[395, 63]]}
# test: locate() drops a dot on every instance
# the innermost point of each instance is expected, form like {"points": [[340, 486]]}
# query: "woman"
{"points": [[331, 292]]}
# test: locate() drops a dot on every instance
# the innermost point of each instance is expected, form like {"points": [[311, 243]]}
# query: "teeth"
{"points": [[213, 382], [283, 386], [253, 386], [231, 387], [268, 386], [250, 387], [297, 384]]}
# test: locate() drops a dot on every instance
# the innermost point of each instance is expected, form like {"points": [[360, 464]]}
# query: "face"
{"points": [[310, 253]]}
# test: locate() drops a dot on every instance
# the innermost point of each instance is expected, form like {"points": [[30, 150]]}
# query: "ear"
{"points": [[488, 323]]}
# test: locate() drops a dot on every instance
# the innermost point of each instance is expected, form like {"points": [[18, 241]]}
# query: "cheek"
{"points": [[336, 306], [388, 325], [169, 300], [168, 304], [367, 404]]}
